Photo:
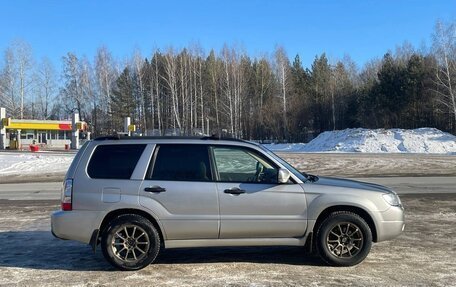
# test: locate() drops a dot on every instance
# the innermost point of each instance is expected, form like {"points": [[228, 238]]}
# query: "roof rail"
{"points": [[211, 137], [113, 137], [217, 137], [125, 137]]}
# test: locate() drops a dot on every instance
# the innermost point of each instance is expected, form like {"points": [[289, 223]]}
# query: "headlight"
{"points": [[392, 199]]}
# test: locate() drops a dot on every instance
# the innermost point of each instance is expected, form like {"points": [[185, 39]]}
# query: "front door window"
{"points": [[235, 164]]}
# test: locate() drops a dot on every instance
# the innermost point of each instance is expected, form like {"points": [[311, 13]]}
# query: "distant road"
{"points": [[30, 191], [402, 185], [408, 185]]}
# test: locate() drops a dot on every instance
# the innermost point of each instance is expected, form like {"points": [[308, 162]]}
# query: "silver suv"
{"points": [[134, 196]]}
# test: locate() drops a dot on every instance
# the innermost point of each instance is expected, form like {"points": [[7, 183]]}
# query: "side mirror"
{"points": [[283, 175]]}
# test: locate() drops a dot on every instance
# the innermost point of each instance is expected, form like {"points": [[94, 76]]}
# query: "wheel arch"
{"points": [[117, 212], [357, 210]]}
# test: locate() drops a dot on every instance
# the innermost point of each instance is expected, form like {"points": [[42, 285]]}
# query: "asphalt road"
{"points": [[422, 256], [402, 185]]}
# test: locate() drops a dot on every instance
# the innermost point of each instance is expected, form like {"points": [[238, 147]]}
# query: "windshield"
{"points": [[288, 166]]}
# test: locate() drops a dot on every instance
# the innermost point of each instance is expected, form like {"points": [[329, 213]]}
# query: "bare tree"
{"points": [[24, 61], [74, 97], [228, 103], [282, 66], [138, 67], [17, 77], [8, 95], [213, 70], [105, 75], [444, 46], [86, 84], [170, 78], [155, 85], [46, 87]]}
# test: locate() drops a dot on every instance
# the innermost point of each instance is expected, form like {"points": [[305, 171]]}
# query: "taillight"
{"points": [[67, 195]]}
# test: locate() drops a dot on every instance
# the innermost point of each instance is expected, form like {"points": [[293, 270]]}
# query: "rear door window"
{"points": [[181, 162], [114, 161]]}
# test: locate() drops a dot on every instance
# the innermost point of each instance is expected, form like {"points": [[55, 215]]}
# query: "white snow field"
{"points": [[422, 140], [16, 163]]}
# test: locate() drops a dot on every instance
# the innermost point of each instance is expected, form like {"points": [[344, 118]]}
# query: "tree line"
{"points": [[189, 92]]}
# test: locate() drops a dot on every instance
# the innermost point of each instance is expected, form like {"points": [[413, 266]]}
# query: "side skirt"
{"points": [[236, 242]]}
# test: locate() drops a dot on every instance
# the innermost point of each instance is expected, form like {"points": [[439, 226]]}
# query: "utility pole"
{"points": [[127, 122], [74, 131], [2, 129]]}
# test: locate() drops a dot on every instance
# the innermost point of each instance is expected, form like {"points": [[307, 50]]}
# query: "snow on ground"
{"points": [[286, 147], [423, 140], [14, 163]]}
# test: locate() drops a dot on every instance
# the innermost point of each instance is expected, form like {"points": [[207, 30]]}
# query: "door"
{"points": [[178, 187], [43, 138], [252, 202]]}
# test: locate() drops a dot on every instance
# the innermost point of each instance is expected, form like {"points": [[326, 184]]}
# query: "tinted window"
{"points": [[243, 165], [114, 161], [181, 162]]}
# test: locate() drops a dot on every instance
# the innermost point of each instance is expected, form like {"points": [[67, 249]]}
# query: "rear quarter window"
{"points": [[114, 161]]}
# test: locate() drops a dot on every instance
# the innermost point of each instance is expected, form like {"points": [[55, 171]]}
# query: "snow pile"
{"points": [[14, 163], [286, 147], [423, 140]]}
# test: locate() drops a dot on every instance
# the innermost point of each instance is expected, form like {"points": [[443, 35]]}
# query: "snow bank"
{"points": [[423, 140], [14, 163], [283, 147]]}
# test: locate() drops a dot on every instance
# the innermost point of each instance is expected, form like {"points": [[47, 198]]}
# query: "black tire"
{"points": [[123, 242], [343, 239]]}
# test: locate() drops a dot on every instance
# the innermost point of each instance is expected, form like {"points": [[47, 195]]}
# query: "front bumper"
{"points": [[75, 225], [392, 223]]}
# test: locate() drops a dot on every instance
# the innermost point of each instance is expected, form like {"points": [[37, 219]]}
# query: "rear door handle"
{"points": [[234, 190], [155, 188]]}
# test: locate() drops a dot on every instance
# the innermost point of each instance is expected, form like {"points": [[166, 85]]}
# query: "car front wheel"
{"points": [[344, 239], [130, 242]]}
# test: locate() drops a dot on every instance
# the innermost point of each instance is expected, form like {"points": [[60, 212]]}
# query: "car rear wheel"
{"points": [[344, 239], [130, 242]]}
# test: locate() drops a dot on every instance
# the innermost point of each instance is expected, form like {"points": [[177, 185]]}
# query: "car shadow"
{"points": [[289, 255], [40, 250]]}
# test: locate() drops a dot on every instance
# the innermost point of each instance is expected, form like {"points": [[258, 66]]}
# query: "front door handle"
{"points": [[155, 188], [234, 190]]}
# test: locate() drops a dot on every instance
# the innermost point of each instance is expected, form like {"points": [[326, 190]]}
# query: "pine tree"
{"points": [[122, 99]]}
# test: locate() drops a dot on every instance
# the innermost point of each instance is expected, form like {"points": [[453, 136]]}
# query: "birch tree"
{"points": [[170, 79], [139, 71], [228, 91], [17, 77], [8, 80], [213, 73], [156, 95], [86, 85], [23, 54], [444, 46], [46, 87], [105, 75], [74, 97], [282, 65]]}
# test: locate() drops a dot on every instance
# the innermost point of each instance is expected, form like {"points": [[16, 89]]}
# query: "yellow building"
{"points": [[46, 133]]}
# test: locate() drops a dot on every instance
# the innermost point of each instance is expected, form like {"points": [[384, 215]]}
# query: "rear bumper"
{"points": [[75, 225], [391, 225]]}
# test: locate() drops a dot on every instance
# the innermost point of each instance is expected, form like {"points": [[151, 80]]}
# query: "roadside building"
{"points": [[20, 134]]}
